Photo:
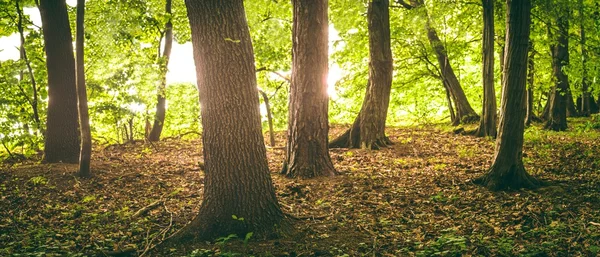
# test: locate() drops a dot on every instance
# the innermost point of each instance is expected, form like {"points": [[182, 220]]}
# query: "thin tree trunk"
{"points": [[159, 119], [557, 119], [585, 96], [62, 128], [507, 170], [530, 117], [269, 118], [238, 192], [464, 111], [84, 119], [23, 53], [487, 123], [307, 151], [368, 129], [453, 119]]}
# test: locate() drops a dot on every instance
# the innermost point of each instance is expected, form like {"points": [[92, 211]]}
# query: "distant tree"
{"points": [[557, 118], [161, 108], [84, 118], [487, 123], [238, 194], [507, 171], [586, 100], [307, 151], [530, 116], [368, 129], [62, 134], [464, 112]]}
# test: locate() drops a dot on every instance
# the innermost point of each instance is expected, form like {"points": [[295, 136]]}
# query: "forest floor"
{"points": [[414, 198]]}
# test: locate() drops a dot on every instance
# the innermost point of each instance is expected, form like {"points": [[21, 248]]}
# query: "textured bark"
{"points": [[368, 129], [507, 170], [557, 118], [84, 118], [237, 179], [487, 123], [308, 126], [464, 111], [62, 128], [161, 97]]}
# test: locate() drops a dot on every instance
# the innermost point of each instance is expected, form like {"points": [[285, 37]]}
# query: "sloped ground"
{"points": [[414, 198]]}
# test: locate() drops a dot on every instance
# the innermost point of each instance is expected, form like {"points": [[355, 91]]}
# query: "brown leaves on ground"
{"points": [[413, 198]]}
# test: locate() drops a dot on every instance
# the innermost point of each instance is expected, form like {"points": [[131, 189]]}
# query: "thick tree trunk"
{"points": [[557, 118], [507, 170], [487, 123], [84, 119], [62, 132], [238, 194], [464, 111], [368, 129], [161, 97], [308, 125]]}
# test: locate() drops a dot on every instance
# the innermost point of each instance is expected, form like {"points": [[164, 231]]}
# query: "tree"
{"points": [[84, 118], [507, 170], [307, 151], [238, 194], [487, 123], [62, 134], [530, 116], [557, 118], [368, 129], [464, 112], [159, 118], [586, 99]]}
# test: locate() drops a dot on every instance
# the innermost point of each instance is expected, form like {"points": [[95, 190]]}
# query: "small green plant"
{"points": [[39, 180], [446, 245]]}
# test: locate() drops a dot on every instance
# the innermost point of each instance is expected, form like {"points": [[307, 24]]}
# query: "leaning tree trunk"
{"points": [[464, 111], [507, 171], [161, 96], [368, 129], [487, 123], [84, 118], [62, 132], [308, 127], [238, 192], [557, 118], [23, 55]]}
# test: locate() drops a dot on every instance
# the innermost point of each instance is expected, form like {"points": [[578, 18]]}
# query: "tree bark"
{"points": [[62, 132], [269, 118], [161, 97], [307, 154], [368, 129], [464, 111], [507, 170], [557, 118], [238, 193], [487, 123], [84, 118]]}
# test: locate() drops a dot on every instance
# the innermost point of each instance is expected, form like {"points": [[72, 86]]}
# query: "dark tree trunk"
{"points": [[487, 123], [62, 132], [238, 192], [557, 118], [159, 119], [464, 111], [84, 119], [585, 94], [368, 129], [530, 117], [308, 126], [453, 119], [507, 171]]}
